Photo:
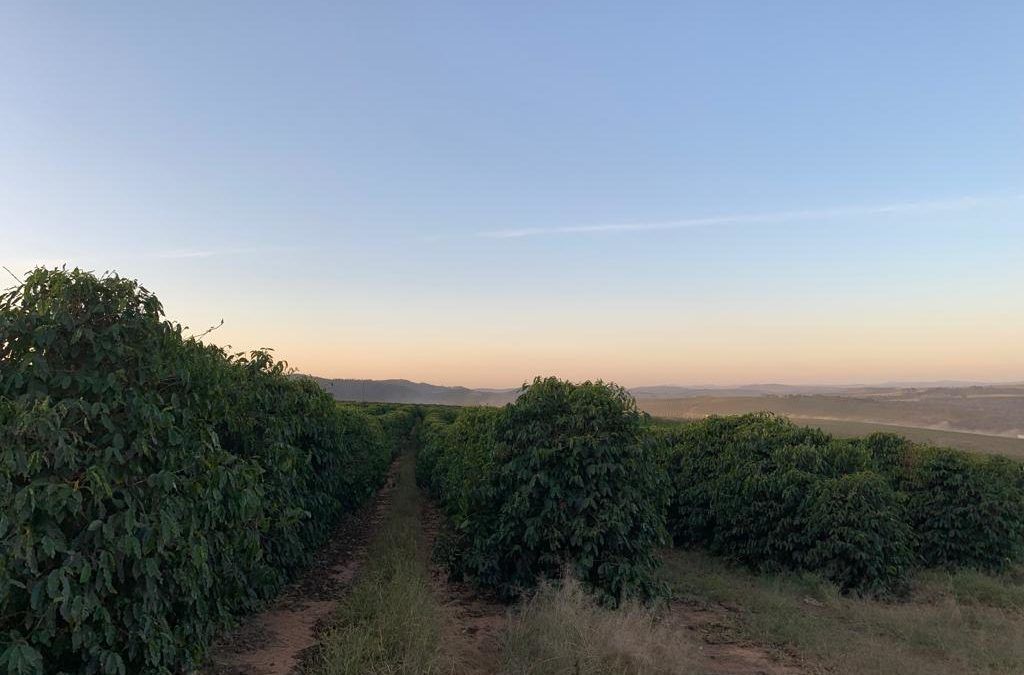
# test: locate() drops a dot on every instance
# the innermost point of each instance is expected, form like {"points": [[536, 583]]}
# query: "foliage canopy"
{"points": [[152, 486]]}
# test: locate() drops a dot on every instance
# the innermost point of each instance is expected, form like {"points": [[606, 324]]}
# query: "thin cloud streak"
{"points": [[189, 254], [752, 218], [184, 255]]}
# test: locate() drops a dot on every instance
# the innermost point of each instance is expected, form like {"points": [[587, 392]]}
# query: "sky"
{"points": [[476, 193]]}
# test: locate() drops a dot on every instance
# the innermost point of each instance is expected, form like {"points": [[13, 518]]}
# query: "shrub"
{"points": [[151, 486], [861, 512], [566, 483], [967, 511], [431, 445], [454, 463], [776, 496], [889, 453], [717, 465], [469, 443], [399, 421], [859, 533]]}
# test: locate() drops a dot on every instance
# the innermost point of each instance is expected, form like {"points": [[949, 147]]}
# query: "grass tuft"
{"points": [[562, 629]]}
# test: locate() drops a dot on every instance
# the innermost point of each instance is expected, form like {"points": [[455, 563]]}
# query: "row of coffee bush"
{"points": [[152, 487], [572, 477], [558, 481], [397, 420], [861, 512]]}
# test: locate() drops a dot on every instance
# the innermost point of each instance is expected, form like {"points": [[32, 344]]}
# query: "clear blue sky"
{"points": [[479, 192]]}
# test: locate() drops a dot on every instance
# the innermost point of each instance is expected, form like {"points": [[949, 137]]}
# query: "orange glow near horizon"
{"points": [[725, 353]]}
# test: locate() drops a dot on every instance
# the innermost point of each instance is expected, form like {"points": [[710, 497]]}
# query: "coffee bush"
{"points": [[776, 496], [559, 480], [858, 534], [966, 511], [152, 487]]}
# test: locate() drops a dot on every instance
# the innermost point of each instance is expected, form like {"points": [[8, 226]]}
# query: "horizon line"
{"points": [[940, 383]]}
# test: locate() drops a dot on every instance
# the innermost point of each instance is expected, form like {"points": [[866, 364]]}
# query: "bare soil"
{"points": [[474, 623], [726, 652], [273, 641]]}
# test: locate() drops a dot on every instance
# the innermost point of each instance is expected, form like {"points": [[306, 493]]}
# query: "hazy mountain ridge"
{"points": [[406, 391], [978, 408]]}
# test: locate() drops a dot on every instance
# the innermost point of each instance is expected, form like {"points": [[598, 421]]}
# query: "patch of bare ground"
{"points": [[474, 623], [720, 646], [272, 642]]}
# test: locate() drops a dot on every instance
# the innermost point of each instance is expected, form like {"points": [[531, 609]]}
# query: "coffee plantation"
{"points": [[155, 488]]}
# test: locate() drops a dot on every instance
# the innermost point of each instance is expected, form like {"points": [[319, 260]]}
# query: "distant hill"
{"points": [[404, 391], [949, 387], [962, 406], [673, 391]]}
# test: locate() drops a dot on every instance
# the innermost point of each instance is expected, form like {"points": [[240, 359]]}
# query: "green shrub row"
{"points": [[558, 480], [397, 420], [966, 510], [152, 487], [755, 488], [861, 512]]}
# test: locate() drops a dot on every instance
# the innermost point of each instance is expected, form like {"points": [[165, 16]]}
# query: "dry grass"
{"points": [[562, 630], [953, 623], [391, 622]]}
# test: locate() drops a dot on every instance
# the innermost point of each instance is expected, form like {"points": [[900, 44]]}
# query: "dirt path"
{"points": [[272, 642], [473, 623]]}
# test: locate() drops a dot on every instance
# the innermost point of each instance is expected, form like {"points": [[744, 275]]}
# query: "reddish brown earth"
{"points": [[474, 623], [272, 642]]}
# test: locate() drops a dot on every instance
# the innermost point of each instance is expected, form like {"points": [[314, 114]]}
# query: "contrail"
{"points": [[185, 254], [751, 218]]}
